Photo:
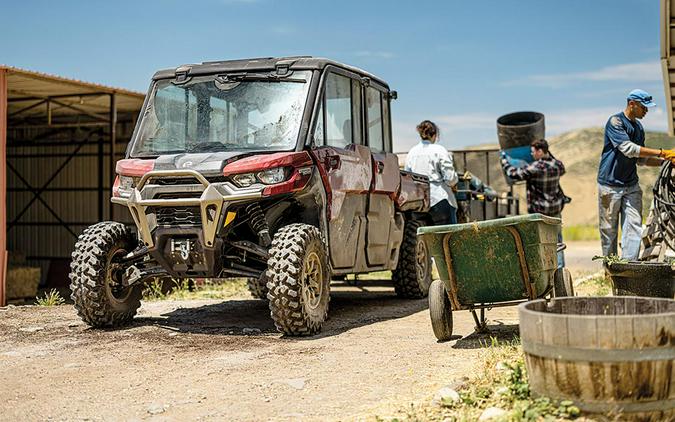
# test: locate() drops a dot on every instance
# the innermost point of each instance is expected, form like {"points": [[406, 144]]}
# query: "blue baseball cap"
{"points": [[641, 96]]}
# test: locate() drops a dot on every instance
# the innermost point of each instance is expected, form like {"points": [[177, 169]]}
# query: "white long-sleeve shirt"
{"points": [[434, 161]]}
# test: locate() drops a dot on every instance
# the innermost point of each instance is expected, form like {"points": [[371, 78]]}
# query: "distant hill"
{"points": [[580, 151]]}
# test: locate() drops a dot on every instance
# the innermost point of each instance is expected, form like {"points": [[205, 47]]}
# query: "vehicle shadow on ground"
{"points": [[351, 306], [497, 331]]}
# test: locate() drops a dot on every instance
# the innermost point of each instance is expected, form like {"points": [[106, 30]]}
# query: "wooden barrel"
{"points": [[610, 355]]}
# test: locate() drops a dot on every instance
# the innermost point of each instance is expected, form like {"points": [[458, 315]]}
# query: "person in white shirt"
{"points": [[434, 161]]}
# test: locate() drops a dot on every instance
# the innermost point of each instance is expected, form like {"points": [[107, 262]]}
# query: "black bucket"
{"points": [[520, 129], [636, 278]]}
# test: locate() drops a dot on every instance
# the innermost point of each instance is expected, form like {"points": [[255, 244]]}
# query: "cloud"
{"points": [[466, 121], [565, 120], [454, 129], [375, 54], [631, 72], [459, 130]]}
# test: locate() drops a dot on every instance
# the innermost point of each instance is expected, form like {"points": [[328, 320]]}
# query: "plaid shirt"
{"points": [[543, 184]]}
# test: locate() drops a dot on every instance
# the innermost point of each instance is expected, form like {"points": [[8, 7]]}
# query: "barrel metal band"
{"points": [[598, 355], [632, 407]]}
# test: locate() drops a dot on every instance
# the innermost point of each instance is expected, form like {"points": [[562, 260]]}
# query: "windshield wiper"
{"points": [[206, 147]]}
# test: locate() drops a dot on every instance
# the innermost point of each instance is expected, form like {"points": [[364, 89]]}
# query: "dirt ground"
{"points": [[223, 360]]}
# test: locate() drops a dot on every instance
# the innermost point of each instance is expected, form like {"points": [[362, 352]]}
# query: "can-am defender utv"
{"points": [[278, 170]]}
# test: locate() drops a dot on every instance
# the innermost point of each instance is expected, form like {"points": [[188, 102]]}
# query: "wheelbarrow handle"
{"points": [[561, 247]]}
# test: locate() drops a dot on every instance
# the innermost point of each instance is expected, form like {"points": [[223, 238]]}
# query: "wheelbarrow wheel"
{"points": [[562, 283], [440, 311]]}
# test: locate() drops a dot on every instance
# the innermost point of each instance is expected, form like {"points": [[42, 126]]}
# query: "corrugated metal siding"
{"points": [[40, 240], [38, 143]]}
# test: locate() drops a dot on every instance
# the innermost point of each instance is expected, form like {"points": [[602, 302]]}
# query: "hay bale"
{"points": [[22, 282]]}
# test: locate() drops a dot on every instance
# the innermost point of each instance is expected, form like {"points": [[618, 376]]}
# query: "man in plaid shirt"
{"points": [[544, 194], [543, 180]]}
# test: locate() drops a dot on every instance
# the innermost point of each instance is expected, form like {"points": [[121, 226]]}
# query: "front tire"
{"points": [[96, 280], [413, 271], [299, 280]]}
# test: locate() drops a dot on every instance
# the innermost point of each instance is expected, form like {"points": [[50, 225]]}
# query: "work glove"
{"points": [[668, 154]]}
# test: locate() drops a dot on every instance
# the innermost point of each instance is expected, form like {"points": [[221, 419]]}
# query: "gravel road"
{"points": [[223, 360], [215, 360]]}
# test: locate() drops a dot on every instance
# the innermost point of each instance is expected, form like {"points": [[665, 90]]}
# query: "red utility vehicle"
{"points": [[278, 170]]}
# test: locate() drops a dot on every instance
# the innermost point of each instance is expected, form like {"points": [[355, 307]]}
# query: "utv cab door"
{"points": [[345, 165], [384, 225]]}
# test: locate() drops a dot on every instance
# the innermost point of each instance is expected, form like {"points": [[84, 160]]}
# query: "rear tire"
{"points": [[440, 311], [97, 283], [412, 276], [258, 286], [562, 283], [299, 280]]}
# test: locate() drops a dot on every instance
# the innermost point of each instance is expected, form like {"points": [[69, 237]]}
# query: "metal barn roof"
{"points": [[28, 92]]}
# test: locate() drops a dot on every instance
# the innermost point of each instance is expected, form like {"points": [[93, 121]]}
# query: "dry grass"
{"points": [[503, 384], [182, 289], [593, 285]]}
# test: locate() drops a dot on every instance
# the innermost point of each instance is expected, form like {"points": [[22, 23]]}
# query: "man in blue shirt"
{"points": [[618, 188]]}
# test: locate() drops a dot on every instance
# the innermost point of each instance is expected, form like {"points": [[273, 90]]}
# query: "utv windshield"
{"points": [[223, 113]]}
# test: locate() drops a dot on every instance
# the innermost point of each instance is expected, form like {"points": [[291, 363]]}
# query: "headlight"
{"points": [[244, 180], [272, 176], [267, 177], [126, 185]]}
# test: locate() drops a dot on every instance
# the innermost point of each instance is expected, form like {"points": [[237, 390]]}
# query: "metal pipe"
{"points": [[240, 273], [487, 168], [91, 94], [30, 107], [100, 204]]}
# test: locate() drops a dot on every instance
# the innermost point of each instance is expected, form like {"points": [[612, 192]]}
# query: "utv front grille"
{"points": [[178, 216], [177, 181], [183, 195]]}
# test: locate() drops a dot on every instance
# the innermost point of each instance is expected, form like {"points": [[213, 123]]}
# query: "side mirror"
{"points": [[393, 95]]}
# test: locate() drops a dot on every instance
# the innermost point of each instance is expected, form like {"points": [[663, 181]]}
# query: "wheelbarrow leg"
{"points": [[481, 324]]}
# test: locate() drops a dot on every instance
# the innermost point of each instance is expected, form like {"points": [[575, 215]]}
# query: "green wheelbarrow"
{"points": [[492, 263]]}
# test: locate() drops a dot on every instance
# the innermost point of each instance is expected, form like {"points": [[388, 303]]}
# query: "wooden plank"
{"points": [[644, 331], [3, 184]]}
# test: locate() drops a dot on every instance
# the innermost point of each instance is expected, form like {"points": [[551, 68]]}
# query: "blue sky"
{"points": [[459, 63]]}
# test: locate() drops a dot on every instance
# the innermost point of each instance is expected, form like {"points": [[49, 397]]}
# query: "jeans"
{"points": [[561, 254], [624, 202], [443, 213]]}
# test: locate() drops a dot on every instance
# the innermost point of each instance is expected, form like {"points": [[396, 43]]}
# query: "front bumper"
{"points": [[213, 200]]}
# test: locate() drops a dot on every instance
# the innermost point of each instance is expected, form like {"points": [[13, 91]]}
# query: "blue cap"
{"points": [[642, 96]]}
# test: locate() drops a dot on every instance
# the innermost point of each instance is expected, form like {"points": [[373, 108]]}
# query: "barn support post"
{"points": [[3, 184], [113, 138]]}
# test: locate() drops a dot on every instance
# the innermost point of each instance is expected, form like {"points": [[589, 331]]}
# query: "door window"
{"points": [[338, 111], [374, 108], [319, 137], [357, 112], [386, 124]]}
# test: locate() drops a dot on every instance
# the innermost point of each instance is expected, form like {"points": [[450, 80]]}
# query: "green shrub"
{"points": [[51, 298]]}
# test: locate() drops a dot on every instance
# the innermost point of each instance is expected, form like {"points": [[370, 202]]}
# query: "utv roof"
{"points": [[260, 64]]}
